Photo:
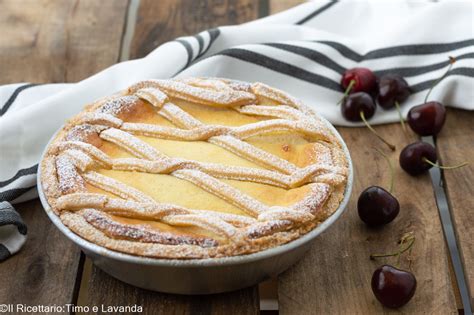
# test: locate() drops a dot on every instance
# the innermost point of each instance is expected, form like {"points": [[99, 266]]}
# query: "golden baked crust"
{"points": [[194, 168]]}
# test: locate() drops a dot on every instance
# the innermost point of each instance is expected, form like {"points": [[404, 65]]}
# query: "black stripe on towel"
{"points": [[326, 61], [213, 34], [314, 55], [420, 49], [13, 97], [12, 194], [467, 72], [10, 216], [189, 50], [414, 71], [20, 173], [317, 12], [200, 41], [302, 74], [4, 253], [281, 67]]}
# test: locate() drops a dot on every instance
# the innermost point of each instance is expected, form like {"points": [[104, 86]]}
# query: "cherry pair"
{"points": [[426, 119], [388, 91], [361, 85]]}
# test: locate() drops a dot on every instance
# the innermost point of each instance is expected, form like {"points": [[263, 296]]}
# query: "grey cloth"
{"points": [[12, 231]]}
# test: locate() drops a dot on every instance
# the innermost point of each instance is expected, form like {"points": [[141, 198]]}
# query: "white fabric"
{"points": [[303, 51], [11, 238]]}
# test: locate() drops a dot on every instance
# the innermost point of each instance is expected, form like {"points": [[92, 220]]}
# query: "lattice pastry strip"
{"points": [[76, 162], [166, 165], [199, 95], [224, 191], [228, 142], [143, 210], [205, 132], [115, 187], [141, 233]]}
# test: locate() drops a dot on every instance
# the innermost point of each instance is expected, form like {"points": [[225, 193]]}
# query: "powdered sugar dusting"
{"points": [[204, 220], [100, 119], [179, 117], [77, 161], [115, 187], [207, 83], [315, 199], [280, 111], [81, 132], [68, 177], [141, 233], [226, 192], [153, 96], [210, 97], [254, 154], [268, 227], [117, 105], [130, 143]]}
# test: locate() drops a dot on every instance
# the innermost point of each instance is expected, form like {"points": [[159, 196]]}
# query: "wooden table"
{"points": [[66, 41]]}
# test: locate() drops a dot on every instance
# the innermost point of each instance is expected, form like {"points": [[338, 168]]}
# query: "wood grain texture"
{"points": [[334, 278], [313, 286], [58, 41], [114, 292], [164, 20], [282, 5], [44, 271], [455, 144], [52, 41]]}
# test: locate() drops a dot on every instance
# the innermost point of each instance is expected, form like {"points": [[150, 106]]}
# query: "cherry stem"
{"points": [[452, 60], [392, 172], [347, 91], [362, 116], [444, 167], [402, 121], [407, 238], [409, 258]]}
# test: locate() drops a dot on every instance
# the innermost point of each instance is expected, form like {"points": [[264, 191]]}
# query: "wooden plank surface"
{"points": [[276, 6], [455, 144], [334, 278], [51, 41], [312, 286], [58, 41], [44, 271], [114, 292], [164, 20], [158, 22]]}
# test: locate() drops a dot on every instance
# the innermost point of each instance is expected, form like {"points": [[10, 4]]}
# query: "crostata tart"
{"points": [[194, 168]]}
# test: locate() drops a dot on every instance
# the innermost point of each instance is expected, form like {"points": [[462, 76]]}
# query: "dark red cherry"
{"points": [[360, 106], [376, 206], [392, 88], [412, 157], [427, 119], [355, 103], [364, 80], [393, 287]]}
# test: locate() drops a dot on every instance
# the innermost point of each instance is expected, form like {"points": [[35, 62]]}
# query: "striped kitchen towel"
{"points": [[303, 51], [12, 231]]}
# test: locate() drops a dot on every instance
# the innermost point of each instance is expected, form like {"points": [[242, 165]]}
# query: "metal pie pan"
{"points": [[199, 276]]}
